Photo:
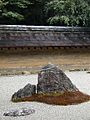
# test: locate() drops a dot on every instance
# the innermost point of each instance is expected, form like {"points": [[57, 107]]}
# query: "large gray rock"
{"points": [[27, 91], [52, 79], [19, 112]]}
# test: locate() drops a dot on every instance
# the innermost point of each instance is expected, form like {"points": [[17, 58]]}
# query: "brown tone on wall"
{"points": [[18, 50]]}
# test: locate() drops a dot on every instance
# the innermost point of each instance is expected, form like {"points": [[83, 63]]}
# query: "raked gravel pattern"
{"points": [[8, 85]]}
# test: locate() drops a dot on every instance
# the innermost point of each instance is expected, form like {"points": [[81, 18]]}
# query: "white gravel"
{"points": [[8, 85]]}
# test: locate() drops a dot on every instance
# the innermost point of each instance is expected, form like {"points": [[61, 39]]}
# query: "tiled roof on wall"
{"points": [[41, 36]]}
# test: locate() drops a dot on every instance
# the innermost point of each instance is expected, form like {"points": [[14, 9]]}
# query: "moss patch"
{"points": [[67, 98]]}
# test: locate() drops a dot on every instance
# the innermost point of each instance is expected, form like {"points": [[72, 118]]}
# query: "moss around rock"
{"points": [[53, 87]]}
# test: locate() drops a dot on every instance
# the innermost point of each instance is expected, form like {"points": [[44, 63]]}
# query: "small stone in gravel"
{"points": [[19, 112]]}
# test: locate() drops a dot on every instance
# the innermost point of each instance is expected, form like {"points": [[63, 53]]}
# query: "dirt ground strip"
{"points": [[33, 61]]}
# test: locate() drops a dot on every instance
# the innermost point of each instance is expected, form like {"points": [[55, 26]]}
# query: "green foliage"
{"points": [[2, 4], [68, 12], [45, 12], [13, 11], [13, 15]]}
